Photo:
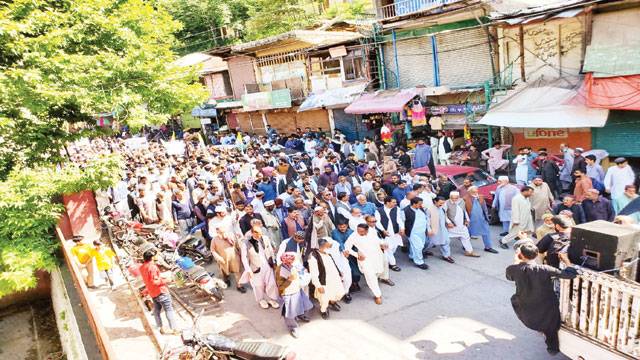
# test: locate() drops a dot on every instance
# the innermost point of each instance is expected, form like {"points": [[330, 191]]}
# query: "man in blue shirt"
{"points": [[400, 191], [269, 189], [365, 207]]}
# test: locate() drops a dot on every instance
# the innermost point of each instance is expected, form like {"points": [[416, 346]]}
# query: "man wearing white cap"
{"points": [[458, 220], [521, 216], [272, 223], [224, 246], [258, 205], [502, 202]]}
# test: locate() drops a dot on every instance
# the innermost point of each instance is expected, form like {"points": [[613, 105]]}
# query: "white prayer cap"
{"points": [[221, 209], [503, 178], [454, 193], [372, 163], [269, 203], [318, 208]]}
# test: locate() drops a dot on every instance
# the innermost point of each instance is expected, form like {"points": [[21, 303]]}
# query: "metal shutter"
{"points": [[415, 59], [620, 135], [464, 57]]}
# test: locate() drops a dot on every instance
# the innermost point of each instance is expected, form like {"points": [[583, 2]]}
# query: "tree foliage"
{"points": [[63, 62], [208, 23], [349, 10], [272, 17], [28, 213]]}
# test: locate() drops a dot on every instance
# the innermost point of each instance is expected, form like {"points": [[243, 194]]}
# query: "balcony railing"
{"points": [[603, 309], [407, 7]]}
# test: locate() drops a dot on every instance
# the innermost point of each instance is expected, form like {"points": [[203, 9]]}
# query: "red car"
{"points": [[486, 183]]}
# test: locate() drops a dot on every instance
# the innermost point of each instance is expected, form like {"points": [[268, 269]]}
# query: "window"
{"points": [[353, 69], [324, 66]]}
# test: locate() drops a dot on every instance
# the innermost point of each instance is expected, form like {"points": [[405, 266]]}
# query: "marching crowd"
{"points": [[306, 211]]}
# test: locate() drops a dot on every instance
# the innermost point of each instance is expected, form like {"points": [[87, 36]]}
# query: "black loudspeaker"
{"points": [[602, 245]]}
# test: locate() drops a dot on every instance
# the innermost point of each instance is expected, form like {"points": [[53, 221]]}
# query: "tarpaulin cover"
{"points": [[554, 104], [339, 97], [619, 93], [384, 101], [203, 112]]}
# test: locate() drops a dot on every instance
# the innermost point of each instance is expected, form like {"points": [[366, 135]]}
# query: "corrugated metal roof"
{"points": [[523, 8], [311, 37]]}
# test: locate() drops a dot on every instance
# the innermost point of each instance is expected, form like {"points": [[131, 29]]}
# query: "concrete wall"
{"points": [[551, 48], [619, 27]]}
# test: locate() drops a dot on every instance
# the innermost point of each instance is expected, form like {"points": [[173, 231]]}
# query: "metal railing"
{"points": [[407, 7], [603, 309]]}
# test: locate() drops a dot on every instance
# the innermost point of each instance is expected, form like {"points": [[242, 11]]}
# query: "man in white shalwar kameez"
{"points": [[343, 265], [521, 217], [618, 177], [257, 257], [458, 220], [326, 277], [389, 222], [371, 260]]}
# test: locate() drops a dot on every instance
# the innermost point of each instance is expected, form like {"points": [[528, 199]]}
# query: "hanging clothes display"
{"points": [[418, 114], [436, 123], [386, 134]]}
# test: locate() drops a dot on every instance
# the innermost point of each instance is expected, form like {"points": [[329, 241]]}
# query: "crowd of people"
{"points": [[309, 211]]}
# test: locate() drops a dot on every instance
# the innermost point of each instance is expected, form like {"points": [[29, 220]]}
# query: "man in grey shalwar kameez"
{"points": [[521, 217]]}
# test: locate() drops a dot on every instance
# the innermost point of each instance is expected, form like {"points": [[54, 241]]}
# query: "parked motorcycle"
{"points": [[219, 347], [188, 271]]}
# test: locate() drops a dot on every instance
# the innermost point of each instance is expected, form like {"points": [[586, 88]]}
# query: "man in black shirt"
{"points": [[555, 245], [535, 302]]}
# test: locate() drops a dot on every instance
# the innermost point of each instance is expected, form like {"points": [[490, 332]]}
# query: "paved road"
{"points": [[451, 311]]}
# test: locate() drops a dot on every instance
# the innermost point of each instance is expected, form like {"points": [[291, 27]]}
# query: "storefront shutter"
{"points": [[464, 57], [620, 135], [415, 60]]}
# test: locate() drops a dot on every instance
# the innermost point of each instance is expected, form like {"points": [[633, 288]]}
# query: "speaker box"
{"points": [[601, 245]]}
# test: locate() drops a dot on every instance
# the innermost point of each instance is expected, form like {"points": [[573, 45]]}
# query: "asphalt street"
{"points": [[451, 311]]}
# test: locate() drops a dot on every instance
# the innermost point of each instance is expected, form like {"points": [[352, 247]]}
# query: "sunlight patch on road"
{"points": [[454, 335]]}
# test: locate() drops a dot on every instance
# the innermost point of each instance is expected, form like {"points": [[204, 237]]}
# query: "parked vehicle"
{"points": [[219, 347], [486, 183], [187, 271]]}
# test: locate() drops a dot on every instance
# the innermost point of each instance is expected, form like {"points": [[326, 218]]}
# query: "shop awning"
{"points": [[333, 98], [545, 107], [199, 111], [619, 92], [383, 101]]}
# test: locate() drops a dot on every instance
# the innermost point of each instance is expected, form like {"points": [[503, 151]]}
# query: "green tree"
{"points": [[62, 62], [350, 10], [273, 17], [208, 23]]}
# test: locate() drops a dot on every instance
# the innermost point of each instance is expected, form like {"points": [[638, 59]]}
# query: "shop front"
{"points": [[621, 135], [385, 107]]}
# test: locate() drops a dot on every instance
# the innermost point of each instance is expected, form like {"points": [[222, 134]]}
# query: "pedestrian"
{"points": [[494, 157], [535, 302], [439, 229], [445, 148], [502, 202], [546, 227], [521, 216], [555, 244], [292, 279], [542, 197], [522, 167], [566, 172], [549, 170], [340, 235], [582, 184], [476, 207], [225, 247], [326, 278], [423, 156], [569, 204], [618, 177], [389, 223], [594, 170], [623, 200], [257, 256], [272, 223], [458, 220], [83, 253], [597, 207], [156, 286], [369, 251], [104, 261], [417, 225]]}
